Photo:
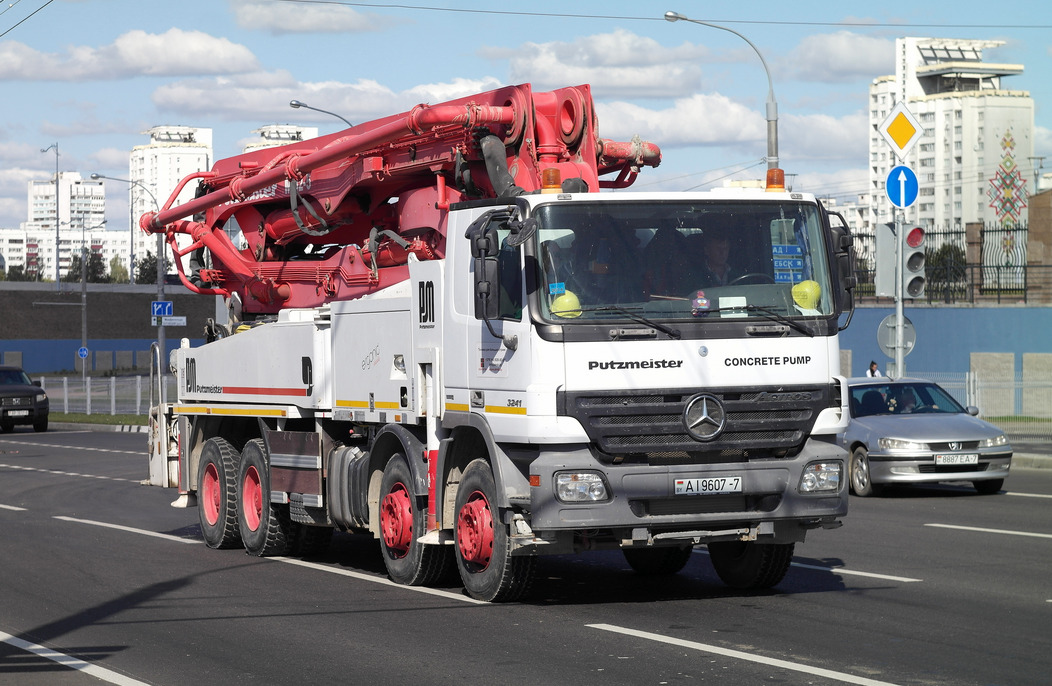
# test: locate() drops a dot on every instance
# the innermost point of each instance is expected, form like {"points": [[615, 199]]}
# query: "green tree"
{"points": [[118, 272], [146, 269]]}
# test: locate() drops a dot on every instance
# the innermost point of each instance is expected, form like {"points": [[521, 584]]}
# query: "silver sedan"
{"points": [[908, 431]]}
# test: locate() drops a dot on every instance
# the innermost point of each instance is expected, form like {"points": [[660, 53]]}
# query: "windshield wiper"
{"points": [[635, 316], [780, 318]]}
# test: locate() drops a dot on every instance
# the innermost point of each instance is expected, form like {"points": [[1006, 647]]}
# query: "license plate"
{"points": [[707, 486], [967, 458], [18, 413]]}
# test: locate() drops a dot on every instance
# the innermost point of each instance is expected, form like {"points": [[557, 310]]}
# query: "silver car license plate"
{"points": [[965, 458], [709, 485]]}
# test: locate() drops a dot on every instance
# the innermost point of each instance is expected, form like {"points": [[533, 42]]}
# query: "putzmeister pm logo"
{"points": [[704, 417]]}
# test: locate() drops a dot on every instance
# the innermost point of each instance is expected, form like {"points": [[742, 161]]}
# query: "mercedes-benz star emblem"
{"points": [[704, 417]]}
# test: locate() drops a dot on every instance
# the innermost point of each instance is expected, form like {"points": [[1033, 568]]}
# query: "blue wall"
{"points": [[946, 336], [47, 356]]}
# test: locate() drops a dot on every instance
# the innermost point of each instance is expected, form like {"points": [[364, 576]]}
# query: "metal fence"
{"points": [[100, 395], [978, 264]]}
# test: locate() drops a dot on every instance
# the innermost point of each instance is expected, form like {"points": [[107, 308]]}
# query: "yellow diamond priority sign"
{"points": [[901, 130]]}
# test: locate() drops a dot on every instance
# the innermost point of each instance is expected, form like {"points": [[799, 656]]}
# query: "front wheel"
{"points": [[402, 522], [861, 480], [266, 528], [750, 565], [989, 486], [40, 425], [483, 550]]}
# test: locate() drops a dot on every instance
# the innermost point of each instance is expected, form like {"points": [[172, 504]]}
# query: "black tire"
{"points": [[7, 427], [217, 494], [989, 486], [483, 550], [266, 528], [311, 541], [749, 565], [40, 425], [859, 475], [657, 561], [403, 519]]}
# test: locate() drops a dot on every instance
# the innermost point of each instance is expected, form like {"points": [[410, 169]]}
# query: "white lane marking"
{"points": [[1007, 532], [58, 472], [1029, 495], [289, 560], [144, 532], [449, 595], [96, 671], [12, 507], [839, 570], [75, 447], [739, 655]]}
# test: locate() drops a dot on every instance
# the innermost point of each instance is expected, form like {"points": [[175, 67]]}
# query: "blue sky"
{"points": [[92, 75]]}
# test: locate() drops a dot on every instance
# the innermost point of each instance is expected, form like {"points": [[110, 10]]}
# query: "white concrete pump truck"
{"points": [[443, 334]]}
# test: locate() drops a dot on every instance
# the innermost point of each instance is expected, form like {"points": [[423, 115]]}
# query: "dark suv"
{"points": [[22, 400]]}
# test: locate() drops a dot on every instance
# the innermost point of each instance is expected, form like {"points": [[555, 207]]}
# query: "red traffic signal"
{"points": [[915, 237]]}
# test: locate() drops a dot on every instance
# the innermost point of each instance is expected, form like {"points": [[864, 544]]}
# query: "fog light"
{"points": [[580, 487], [819, 477]]}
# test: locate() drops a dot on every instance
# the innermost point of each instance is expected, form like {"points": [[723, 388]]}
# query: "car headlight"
{"points": [[580, 487], [41, 397], [994, 442], [900, 444], [821, 477]]}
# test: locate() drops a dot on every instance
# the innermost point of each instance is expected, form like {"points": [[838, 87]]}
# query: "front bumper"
{"points": [[914, 468], [643, 504], [23, 414]]}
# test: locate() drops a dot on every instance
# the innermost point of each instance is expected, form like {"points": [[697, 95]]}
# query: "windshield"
{"points": [[14, 377], [682, 261], [901, 398]]}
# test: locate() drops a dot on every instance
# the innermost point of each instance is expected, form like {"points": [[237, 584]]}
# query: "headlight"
{"points": [[900, 444], [41, 397], [580, 487], [994, 442], [819, 477]]}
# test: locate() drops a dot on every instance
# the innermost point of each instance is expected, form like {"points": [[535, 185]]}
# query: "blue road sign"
{"points": [[82, 352], [161, 308], [901, 186]]}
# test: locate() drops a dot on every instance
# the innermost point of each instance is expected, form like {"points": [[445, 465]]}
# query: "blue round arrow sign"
{"points": [[901, 186]]}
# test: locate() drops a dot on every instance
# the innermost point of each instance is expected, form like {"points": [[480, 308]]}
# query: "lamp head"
{"points": [[296, 104], [673, 16]]}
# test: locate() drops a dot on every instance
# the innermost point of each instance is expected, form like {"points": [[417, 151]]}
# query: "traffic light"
{"points": [[913, 277], [884, 261]]}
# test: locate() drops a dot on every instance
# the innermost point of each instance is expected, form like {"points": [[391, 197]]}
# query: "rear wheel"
{"points": [[483, 550], [861, 479], [266, 528], [217, 493], [402, 522], [750, 565], [989, 486], [657, 561]]}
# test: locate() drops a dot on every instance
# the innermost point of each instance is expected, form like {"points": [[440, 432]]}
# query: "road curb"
{"points": [[121, 428]]}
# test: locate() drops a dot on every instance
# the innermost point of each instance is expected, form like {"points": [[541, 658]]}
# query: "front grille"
{"points": [[15, 402], [946, 447], [761, 423]]}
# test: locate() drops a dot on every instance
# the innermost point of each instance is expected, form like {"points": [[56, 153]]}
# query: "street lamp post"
{"points": [[296, 104], [772, 105], [84, 297], [160, 272], [131, 220], [54, 146]]}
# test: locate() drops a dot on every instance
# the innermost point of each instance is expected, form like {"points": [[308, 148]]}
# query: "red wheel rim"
{"points": [[211, 495], [252, 499], [396, 520], [475, 530]]}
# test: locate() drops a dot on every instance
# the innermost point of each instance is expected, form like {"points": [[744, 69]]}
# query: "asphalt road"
{"points": [[102, 581]]}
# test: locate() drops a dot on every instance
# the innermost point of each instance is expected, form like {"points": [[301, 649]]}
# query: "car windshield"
{"points": [[13, 377], [901, 398], [682, 261]]}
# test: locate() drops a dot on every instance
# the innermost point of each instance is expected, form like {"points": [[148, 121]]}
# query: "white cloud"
{"points": [[617, 64], [711, 119], [266, 96], [136, 53], [840, 57], [283, 18], [823, 137]]}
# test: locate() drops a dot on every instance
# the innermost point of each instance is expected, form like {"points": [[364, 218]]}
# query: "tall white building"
{"points": [[157, 168], [79, 205], [273, 135], [974, 159]]}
